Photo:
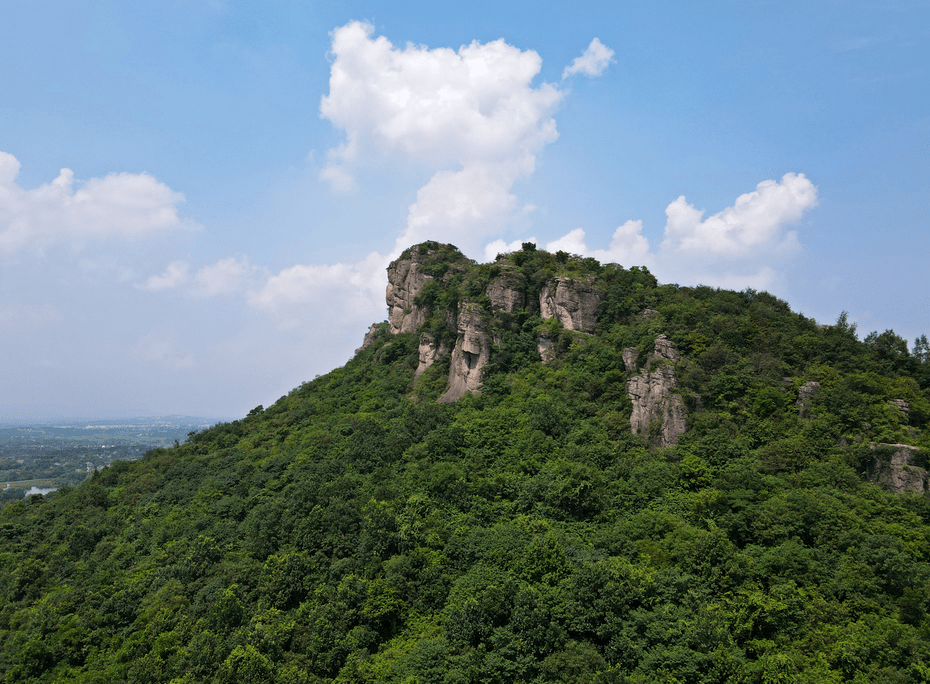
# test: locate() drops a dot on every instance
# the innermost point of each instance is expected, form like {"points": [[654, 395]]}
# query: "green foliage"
{"points": [[356, 531]]}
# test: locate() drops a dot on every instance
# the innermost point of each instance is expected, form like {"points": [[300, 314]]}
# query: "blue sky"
{"points": [[238, 174]]}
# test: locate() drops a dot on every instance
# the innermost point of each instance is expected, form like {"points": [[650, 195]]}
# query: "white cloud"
{"points": [[492, 249], [322, 296], [754, 222], [120, 205], [471, 114], [174, 276], [462, 207], [592, 62], [735, 248], [223, 277], [628, 247]]}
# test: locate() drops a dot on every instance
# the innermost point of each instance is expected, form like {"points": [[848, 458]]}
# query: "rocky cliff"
{"points": [[658, 411], [507, 292], [896, 467], [409, 274], [460, 310], [573, 303], [471, 353]]}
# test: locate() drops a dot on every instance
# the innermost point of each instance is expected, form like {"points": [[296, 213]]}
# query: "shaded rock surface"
{"points": [[507, 292], [405, 281], [573, 303], [903, 407], [658, 410], [471, 353], [428, 352], [545, 347], [807, 391], [899, 471], [630, 354]]}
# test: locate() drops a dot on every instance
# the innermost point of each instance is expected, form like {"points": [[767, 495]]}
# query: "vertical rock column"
{"points": [[471, 353], [653, 396]]}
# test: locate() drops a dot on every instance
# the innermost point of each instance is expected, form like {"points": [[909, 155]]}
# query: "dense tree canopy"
{"points": [[357, 531]]}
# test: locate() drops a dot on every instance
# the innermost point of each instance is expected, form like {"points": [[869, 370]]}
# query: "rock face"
{"points": [[471, 353], [406, 279], [573, 303], [808, 390], [899, 473], [429, 351], [657, 409], [369, 336], [507, 292], [544, 344], [902, 406], [630, 355]]}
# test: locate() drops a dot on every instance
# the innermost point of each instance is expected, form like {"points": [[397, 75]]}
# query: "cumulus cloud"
{"points": [[628, 247], [120, 205], [592, 62], [304, 295], [223, 277], [734, 248], [174, 276], [472, 117], [754, 221], [492, 249], [471, 114]]}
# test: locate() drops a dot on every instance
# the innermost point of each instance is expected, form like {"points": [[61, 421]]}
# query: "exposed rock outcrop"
{"points": [[665, 350], [406, 279], [658, 410], [471, 353], [545, 346], [507, 292], [898, 471], [630, 354], [903, 408], [573, 303], [429, 351], [370, 336], [807, 391], [408, 274]]}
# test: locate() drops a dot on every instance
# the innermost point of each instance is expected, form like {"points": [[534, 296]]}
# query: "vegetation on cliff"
{"points": [[359, 531]]}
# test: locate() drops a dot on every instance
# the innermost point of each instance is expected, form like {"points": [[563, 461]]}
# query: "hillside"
{"points": [[542, 469]]}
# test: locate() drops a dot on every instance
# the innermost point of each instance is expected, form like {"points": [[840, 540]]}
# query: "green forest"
{"points": [[360, 531]]}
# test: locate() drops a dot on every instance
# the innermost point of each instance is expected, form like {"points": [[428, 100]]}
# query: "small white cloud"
{"points": [[120, 205], [572, 242], [754, 222], [628, 246], [492, 249], [174, 276], [223, 277], [592, 62]]}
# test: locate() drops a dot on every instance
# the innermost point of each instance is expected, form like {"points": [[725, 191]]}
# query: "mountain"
{"points": [[542, 469]]}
